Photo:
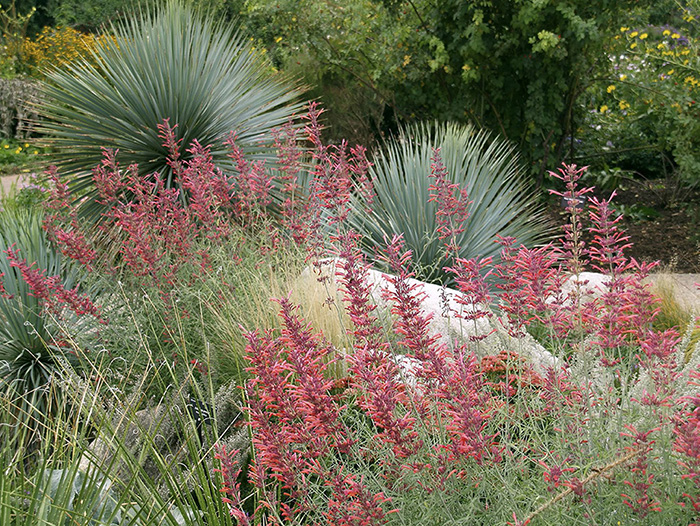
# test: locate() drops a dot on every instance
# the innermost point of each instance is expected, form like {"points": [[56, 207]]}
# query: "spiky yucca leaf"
{"points": [[29, 353], [172, 64], [502, 202]]}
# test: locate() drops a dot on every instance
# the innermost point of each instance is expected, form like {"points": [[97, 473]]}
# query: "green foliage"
{"points": [[97, 475], [487, 167], [171, 64], [644, 117], [516, 68], [29, 342], [349, 53], [519, 68], [19, 157], [14, 21]]}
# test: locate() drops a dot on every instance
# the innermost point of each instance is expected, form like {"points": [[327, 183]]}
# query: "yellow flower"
{"points": [[624, 105], [406, 60], [670, 72], [26, 145], [643, 36], [623, 77], [623, 29], [611, 88], [603, 108], [278, 40], [634, 45], [675, 35], [661, 46], [35, 152], [7, 146], [634, 34], [666, 32]]}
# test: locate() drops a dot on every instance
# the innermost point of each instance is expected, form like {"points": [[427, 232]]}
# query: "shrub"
{"points": [[644, 116], [170, 64], [56, 47], [405, 199]]}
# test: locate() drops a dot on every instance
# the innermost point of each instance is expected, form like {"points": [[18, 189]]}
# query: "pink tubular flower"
{"points": [[687, 442], [554, 472], [307, 360], [230, 470], [352, 504], [475, 297], [352, 275], [452, 210], [640, 502], [50, 290], [460, 397], [575, 253], [406, 298], [334, 170], [252, 183]]}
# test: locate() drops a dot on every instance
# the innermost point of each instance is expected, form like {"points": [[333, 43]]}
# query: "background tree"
{"points": [[514, 67]]}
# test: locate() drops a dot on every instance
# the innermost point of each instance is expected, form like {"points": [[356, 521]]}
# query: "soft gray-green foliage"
{"points": [[502, 202], [170, 64]]}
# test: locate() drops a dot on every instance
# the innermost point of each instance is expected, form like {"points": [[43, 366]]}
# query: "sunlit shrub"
{"points": [[56, 47]]}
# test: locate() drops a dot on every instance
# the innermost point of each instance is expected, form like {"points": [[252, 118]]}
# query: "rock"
{"points": [[485, 335]]}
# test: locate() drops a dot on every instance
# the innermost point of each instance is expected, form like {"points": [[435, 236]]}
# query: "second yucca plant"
{"points": [[486, 167]]}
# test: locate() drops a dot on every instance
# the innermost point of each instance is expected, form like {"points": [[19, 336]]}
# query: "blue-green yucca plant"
{"points": [[173, 63], [28, 338], [502, 202]]}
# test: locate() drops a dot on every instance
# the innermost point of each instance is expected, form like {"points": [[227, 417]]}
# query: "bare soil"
{"points": [[662, 226]]}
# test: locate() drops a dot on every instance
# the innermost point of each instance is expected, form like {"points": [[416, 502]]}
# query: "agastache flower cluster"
{"points": [[296, 424], [50, 289], [452, 204]]}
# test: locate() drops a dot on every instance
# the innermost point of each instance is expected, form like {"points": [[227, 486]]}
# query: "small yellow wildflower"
{"points": [[278, 40], [624, 105], [634, 33], [666, 32], [406, 60], [611, 88], [603, 108], [675, 35], [643, 36], [26, 145], [661, 46], [623, 29], [7, 146], [623, 77], [670, 72], [35, 152], [634, 45]]}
